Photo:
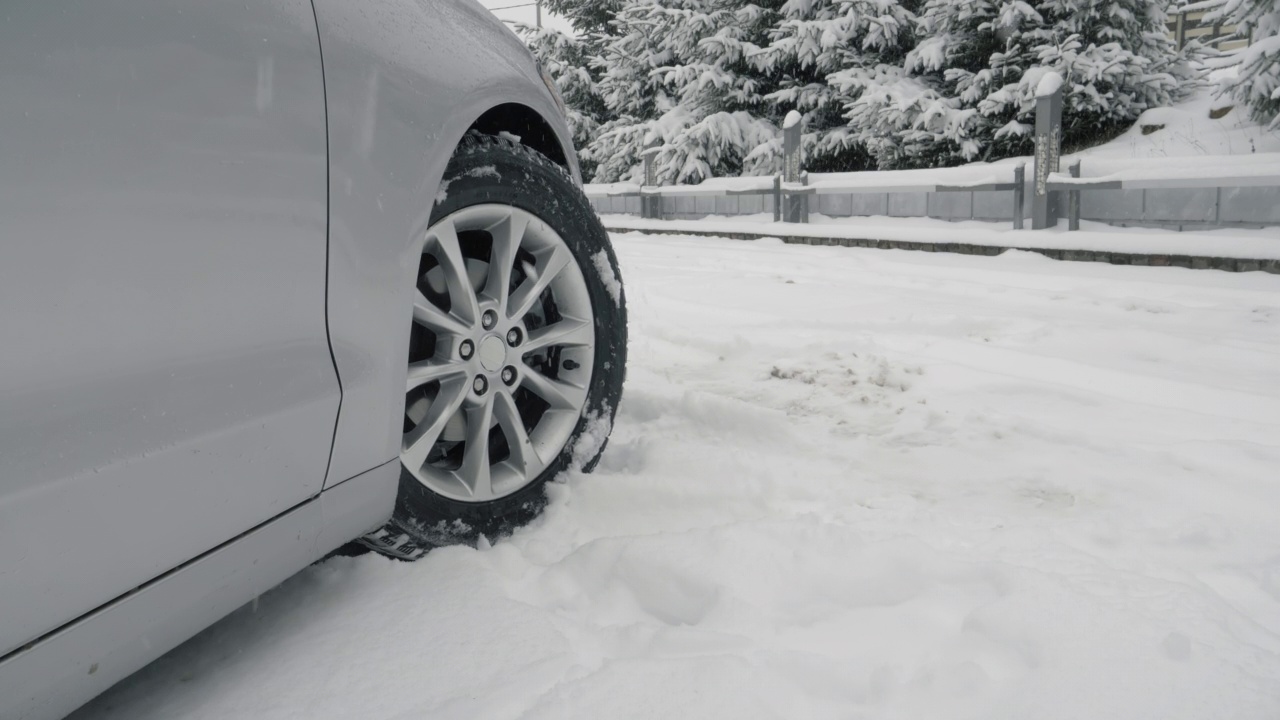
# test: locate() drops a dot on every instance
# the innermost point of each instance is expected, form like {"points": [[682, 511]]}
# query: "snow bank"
{"points": [[1232, 242], [1260, 170], [1258, 164], [607, 189], [711, 187], [921, 180], [975, 174]]}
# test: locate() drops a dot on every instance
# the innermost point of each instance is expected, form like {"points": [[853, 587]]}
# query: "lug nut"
{"points": [[466, 349], [489, 319], [508, 375], [480, 385], [514, 337]]}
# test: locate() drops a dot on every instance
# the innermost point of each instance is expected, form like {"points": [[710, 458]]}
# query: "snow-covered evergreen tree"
{"points": [[1256, 81], [966, 91], [572, 63], [685, 76], [886, 83], [816, 39], [588, 17]]}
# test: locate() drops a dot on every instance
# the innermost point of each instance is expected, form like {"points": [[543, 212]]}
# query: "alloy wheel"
{"points": [[501, 353]]}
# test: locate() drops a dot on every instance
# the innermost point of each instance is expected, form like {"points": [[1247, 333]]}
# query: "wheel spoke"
{"points": [[462, 295], [421, 373], [475, 455], [559, 395], [426, 314], [522, 450], [507, 236], [531, 289], [418, 442], [568, 331]]}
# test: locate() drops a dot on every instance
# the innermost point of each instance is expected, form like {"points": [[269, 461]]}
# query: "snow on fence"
{"points": [[990, 192], [1176, 193]]}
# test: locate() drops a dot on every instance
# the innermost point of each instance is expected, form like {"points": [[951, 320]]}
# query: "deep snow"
{"points": [[842, 484]]}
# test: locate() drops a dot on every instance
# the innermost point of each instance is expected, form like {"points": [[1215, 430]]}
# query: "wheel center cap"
{"points": [[493, 352]]}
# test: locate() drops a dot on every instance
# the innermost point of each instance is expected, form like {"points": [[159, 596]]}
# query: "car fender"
{"points": [[405, 80]]}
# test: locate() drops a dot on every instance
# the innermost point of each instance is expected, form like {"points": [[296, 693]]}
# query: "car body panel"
{"points": [[157, 403], [81, 660], [165, 377], [404, 84]]}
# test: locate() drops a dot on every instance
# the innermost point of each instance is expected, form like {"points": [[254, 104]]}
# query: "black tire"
{"points": [[526, 179]]}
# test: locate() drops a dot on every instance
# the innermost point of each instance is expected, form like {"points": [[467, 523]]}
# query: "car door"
{"points": [[165, 377]]}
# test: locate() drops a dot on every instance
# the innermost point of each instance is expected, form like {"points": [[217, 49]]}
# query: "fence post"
{"points": [[1073, 201], [650, 205], [1044, 206], [792, 129], [777, 198], [1180, 30], [1019, 194], [804, 206]]}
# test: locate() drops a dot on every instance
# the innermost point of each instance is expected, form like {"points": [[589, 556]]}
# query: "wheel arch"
{"points": [[526, 125]]}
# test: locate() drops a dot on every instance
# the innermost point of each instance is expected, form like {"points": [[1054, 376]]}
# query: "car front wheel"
{"points": [[517, 349]]}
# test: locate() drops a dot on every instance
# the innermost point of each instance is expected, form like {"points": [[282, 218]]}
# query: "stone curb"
{"points": [[1195, 262]]}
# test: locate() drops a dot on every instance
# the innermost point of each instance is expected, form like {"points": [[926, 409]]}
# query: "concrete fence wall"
{"points": [[1180, 209]]}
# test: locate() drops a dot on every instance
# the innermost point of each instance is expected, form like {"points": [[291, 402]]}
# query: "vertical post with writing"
{"points": [[1044, 205], [650, 205], [792, 128]]}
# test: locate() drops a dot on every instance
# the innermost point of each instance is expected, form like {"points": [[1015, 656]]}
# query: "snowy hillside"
{"points": [[1188, 129], [843, 484]]}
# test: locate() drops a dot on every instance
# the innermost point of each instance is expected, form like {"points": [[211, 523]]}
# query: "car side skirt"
{"points": [[54, 675]]}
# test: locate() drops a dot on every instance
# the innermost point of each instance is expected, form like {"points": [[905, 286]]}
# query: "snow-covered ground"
{"points": [[843, 484]]}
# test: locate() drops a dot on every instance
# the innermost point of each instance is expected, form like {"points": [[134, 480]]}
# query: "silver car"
{"points": [[274, 276]]}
